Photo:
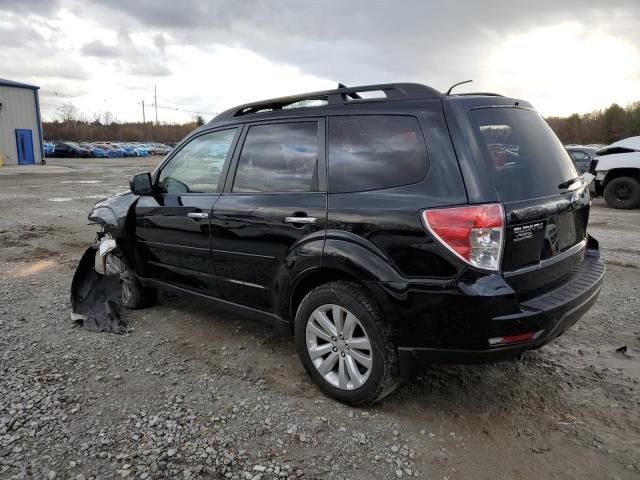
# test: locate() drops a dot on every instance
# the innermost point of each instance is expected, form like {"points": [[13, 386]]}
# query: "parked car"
{"points": [[70, 150], [127, 149], [112, 151], [157, 149], [48, 148], [581, 156], [617, 171], [99, 152], [95, 152], [140, 151], [405, 230]]}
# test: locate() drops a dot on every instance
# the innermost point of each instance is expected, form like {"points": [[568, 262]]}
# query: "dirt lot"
{"points": [[194, 392]]}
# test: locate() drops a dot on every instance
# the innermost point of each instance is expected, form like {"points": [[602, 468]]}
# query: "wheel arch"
{"points": [[621, 172], [311, 279]]}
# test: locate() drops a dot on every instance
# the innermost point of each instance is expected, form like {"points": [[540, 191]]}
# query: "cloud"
{"points": [[29, 6], [517, 47], [18, 35], [130, 57], [361, 39], [96, 48], [160, 41]]}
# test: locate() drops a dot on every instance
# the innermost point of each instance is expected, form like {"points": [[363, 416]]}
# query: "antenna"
{"points": [[455, 85]]}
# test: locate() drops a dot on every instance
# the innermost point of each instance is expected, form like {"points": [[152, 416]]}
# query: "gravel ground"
{"points": [[197, 393]]}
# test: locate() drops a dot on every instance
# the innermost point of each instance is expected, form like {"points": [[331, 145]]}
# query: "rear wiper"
{"points": [[569, 182]]}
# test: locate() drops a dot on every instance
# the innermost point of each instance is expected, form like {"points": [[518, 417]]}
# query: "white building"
{"points": [[20, 125]]}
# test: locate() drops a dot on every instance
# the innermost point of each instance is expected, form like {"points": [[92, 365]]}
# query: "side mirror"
{"points": [[140, 184]]}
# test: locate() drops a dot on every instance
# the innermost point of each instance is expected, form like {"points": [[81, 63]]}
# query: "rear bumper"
{"points": [[550, 314]]}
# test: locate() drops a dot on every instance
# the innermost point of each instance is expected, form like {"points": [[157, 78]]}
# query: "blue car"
{"points": [[127, 149], [48, 148], [141, 152], [115, 151], [100, 152], [96, 152]]}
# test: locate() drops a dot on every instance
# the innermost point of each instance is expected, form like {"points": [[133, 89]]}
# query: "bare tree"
{"points": [[68, 112], [108, 118]]}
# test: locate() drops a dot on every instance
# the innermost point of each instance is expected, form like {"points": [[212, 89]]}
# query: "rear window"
{"points": [[526, 159], [370, 152]]}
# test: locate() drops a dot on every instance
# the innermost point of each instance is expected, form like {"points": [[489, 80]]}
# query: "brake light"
{"points": [[474, 233]]}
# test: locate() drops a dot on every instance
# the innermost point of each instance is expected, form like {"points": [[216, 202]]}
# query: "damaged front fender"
{"points": [[113, 211]]}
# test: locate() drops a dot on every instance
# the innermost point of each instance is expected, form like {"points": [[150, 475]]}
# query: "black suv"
{"points": [[387, 227]]}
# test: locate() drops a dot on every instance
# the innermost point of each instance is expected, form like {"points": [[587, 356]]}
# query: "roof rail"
{"points": [[478, 94], [339, 96]]}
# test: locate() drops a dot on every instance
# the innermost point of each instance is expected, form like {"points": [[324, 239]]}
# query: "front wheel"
{"points": [[345, 344], [134, 295], [622, 192]]}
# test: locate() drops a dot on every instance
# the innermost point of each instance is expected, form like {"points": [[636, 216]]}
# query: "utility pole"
{"points": [[155, 102], [144, 121]]}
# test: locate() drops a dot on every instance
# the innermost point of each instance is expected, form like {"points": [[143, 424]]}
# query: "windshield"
{"points": [[526, 158]]}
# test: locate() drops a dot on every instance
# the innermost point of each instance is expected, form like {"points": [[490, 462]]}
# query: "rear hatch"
{"points": [[546, 204]]}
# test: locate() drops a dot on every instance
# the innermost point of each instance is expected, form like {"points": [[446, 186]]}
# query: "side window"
{"points": [[369, 152], [578, 155], [279, 157], [196, 168]]}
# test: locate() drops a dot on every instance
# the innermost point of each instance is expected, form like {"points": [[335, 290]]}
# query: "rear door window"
{"points": [[280, 157], [370, 152], [525, 158]]}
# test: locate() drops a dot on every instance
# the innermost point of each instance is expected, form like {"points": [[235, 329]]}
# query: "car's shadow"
{"points": [[237, 346]]}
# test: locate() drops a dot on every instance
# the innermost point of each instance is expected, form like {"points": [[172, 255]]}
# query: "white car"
{"points": [[617, 171], [158, 149]]}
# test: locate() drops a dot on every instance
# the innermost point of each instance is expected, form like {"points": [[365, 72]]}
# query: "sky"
{"points": [[204, 56]]}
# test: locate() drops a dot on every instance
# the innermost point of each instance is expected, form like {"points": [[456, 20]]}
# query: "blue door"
{"points": [[24, 142]]}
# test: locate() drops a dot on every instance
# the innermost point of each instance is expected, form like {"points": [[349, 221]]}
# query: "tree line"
{"points": [[83, 131], [602, 126], [73, 126]]}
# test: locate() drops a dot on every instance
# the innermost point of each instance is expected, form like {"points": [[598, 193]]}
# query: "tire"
{"points": [[622, 192], [342, 382], [134, 295]]}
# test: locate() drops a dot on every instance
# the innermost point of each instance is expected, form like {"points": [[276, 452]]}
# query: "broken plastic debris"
{"points": [[96, 299]]}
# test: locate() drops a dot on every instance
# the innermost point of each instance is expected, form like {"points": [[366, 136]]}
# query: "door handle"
{"points": [[306, 220], [198, 215]]}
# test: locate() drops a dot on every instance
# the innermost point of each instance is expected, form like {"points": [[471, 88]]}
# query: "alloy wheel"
{"points": [[115, 266], [339, 347]]}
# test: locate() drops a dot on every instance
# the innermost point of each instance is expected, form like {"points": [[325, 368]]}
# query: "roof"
{"points": [[341, 95], [11, 83]]}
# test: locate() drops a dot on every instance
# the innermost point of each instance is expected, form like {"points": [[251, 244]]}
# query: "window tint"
{"points": [[369, 152], [279, 158], [526, 158], [196, 168]]}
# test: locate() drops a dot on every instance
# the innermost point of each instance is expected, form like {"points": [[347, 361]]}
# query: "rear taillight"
{"points": [[474, 233]]}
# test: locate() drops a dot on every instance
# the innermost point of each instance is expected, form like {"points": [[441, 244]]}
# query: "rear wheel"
{"points": [[134, 295], [345, 343], [622, 192]]}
